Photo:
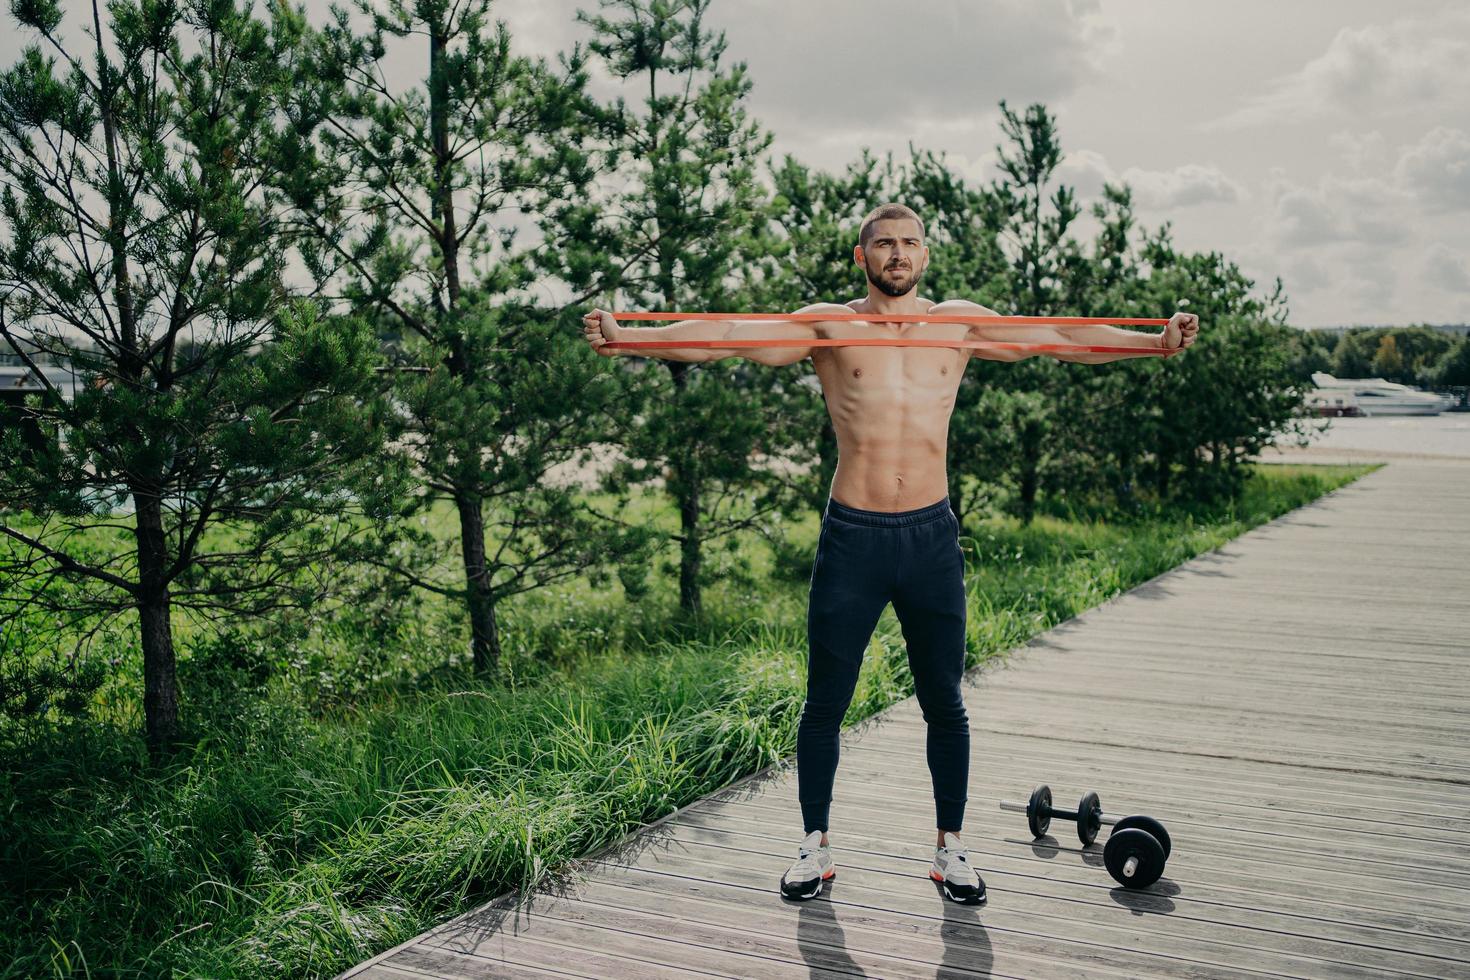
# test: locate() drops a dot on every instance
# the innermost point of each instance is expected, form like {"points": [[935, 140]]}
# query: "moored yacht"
{"points": [[1375, 396]]}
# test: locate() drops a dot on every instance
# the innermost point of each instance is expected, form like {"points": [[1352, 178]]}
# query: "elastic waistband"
{"points": [[881, 518]]}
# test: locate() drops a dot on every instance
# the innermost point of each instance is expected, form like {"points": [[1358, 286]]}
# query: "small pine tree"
{"points": [[137, 252], [414, 202], [684, 220]]}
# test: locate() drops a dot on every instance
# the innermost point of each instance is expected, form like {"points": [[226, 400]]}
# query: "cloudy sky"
{"points": [[1324, 141]]}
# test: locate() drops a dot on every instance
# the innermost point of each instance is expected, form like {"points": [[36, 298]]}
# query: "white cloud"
{"points": [[1436, 170], [878, 70], [1182, 187], [1188, 184], [1360, 151], [1085, 171], [1305, 274], [1377, 66], [1336, 209], [1445, 268]]}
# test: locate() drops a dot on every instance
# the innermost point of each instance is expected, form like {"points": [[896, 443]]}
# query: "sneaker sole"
{"points": [[799, 896], [961, 899]]}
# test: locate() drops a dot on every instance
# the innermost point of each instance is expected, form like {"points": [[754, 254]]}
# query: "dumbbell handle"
{"points": [[1060, 814]]}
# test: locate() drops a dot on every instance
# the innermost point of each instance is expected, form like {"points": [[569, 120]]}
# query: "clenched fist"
{"points": [[1180, 332], [599, 327]]}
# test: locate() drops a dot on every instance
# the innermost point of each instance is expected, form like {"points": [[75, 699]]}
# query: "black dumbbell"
{"points": [[1039, 813], [1136, 851]]}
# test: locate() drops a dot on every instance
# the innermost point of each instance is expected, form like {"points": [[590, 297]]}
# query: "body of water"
{"points": [[1447, 434]]}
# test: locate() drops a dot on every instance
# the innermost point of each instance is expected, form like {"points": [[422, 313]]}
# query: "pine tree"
{"points": [[684, 219], [1045, 264], [137, 251], [416, 201], [1041, 250]]}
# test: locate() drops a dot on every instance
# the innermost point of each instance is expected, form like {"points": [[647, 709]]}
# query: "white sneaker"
{"points": [[952, 870], [812, 867]]}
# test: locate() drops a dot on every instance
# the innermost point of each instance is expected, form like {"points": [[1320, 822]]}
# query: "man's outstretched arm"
{"points": [[1181, 332], [600, 327]]}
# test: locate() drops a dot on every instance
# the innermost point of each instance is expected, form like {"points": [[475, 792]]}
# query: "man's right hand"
{"points": [[599, 327]]}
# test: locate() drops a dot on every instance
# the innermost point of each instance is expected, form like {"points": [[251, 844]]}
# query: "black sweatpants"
{"points": [[866, 559]]}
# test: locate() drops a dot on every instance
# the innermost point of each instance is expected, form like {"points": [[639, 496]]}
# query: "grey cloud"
{"points": [[831, 76], [865, 65], [1183, 186], [1085, 171], [1186, 185], [1337, 209], [1446, 268], [1357, 150], [1305, 274], [1375, 66], [1436, 170]]}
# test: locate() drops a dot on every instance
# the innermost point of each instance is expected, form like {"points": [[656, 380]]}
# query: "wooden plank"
{"points": [[769, 944], [1322, 939], [1114, 927], [957, 938], [1261, 842], [1216, 801], [1284, 873], [1194, 777], [1222, 884], [527, 951], [502, 971]]}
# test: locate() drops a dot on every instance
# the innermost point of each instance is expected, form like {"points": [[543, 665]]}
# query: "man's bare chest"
{"points": [[911, 375]]}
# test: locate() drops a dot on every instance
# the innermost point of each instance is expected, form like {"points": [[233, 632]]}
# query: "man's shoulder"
{"points": [[829, 307], [956, 305]]}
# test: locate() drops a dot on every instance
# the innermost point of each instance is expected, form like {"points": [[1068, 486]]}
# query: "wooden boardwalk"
{"points": [[1295, 707]]}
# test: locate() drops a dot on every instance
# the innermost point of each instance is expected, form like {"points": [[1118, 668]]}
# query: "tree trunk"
{"points": [[443, 161], [686, 491], [1029, 483], [484, 631], [160, 679], [160, 676], [689, 551], [1161, 475], [1032, 438]]}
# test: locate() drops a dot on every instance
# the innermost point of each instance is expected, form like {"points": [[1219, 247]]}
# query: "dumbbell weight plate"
{"points": [[1133, 842], [1089, 810], [1149, 824], [1038, 811]]}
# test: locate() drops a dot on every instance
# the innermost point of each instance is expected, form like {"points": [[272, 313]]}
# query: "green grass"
{"points": [[292, 841]]}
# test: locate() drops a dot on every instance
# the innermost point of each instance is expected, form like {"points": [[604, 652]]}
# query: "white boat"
{"points": [[1375, 396], [1334, 402]]}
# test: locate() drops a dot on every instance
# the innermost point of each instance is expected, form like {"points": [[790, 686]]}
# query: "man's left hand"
{"points": [[1181, 331]]}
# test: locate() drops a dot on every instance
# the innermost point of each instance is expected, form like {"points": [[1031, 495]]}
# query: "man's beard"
{"points": [[890, 288]]}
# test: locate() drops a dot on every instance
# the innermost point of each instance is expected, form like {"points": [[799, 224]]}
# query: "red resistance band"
{"points": [[1060, 321]]}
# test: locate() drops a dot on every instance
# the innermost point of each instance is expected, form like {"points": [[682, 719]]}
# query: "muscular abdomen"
{"points": [[890, 408]]}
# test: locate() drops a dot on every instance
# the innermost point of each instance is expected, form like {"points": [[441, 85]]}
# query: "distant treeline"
{"points": [[1432, 357], [274, 437]]}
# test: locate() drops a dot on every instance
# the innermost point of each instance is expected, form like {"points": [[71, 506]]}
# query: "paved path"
{"points": [[1293, 706]]}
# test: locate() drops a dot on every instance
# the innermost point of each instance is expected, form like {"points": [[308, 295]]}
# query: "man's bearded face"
{"points": [[894, 257]]}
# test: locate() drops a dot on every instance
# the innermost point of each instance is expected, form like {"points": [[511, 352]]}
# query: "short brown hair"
{"points": [[883, 211]]}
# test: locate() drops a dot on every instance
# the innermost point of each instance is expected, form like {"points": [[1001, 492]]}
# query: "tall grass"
{"points": [[287, 842]]}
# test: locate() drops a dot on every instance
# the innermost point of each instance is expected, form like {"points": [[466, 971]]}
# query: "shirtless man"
{"points": [[888, 533]]}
